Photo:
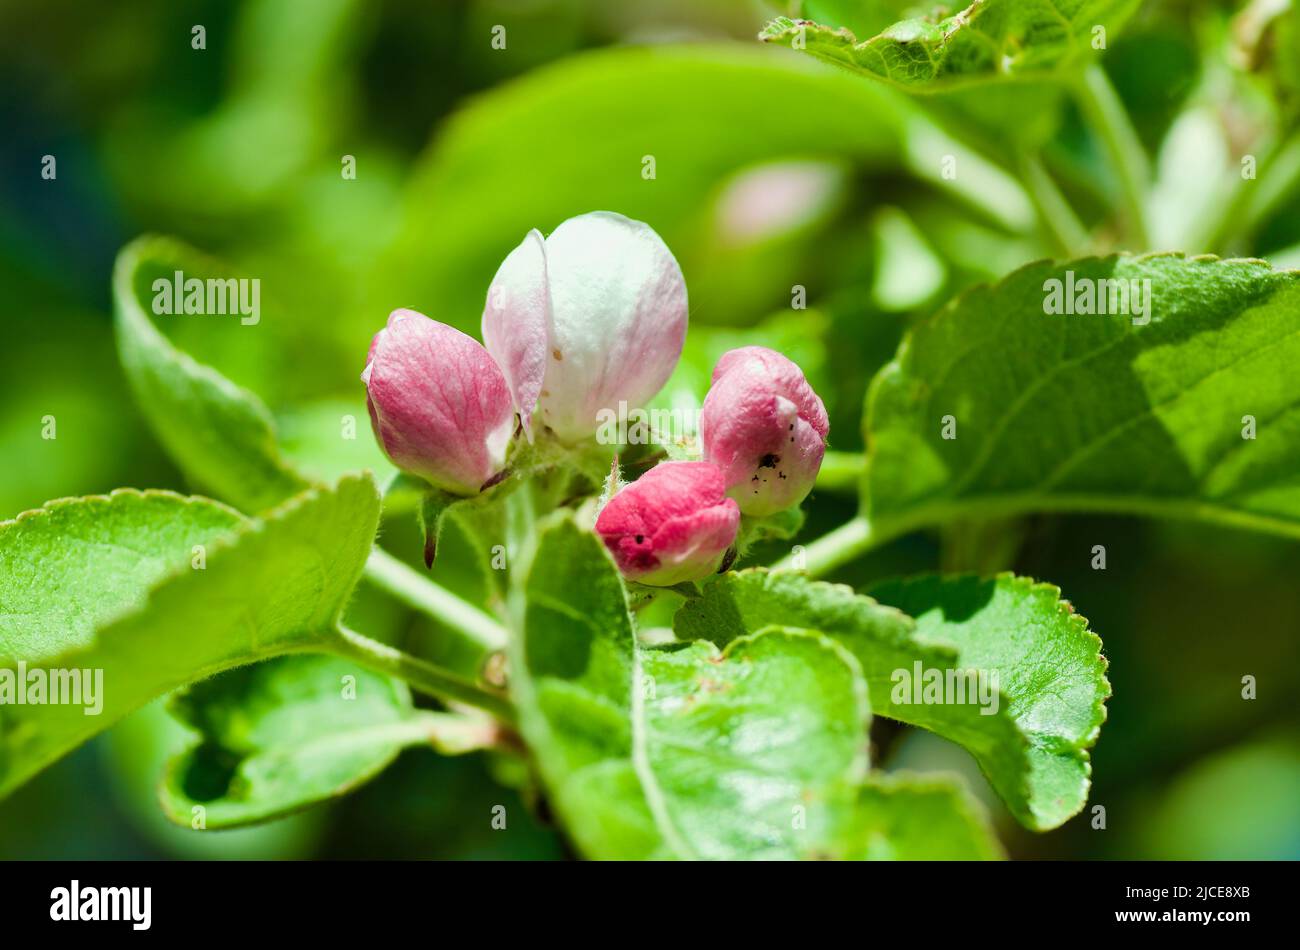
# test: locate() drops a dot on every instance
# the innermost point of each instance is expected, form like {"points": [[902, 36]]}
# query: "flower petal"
{"points": [[438, 402], [618, 319], [765, 428], [673, 524], [516, 318]]}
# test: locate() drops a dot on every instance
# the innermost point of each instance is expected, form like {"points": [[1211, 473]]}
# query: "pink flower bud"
{"points": [[438, 403], [765, 428], [591, 316], [672, 524]]}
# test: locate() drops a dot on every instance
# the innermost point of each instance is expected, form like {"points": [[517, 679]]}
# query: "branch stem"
{"points": [[428, 678]]}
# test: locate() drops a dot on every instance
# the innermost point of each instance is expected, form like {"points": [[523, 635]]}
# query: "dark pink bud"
{"points": [[672, 524], [765, 428], [438, 403]]}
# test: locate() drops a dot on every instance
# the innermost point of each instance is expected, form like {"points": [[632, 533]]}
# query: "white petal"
{"points": [[618, 319]]}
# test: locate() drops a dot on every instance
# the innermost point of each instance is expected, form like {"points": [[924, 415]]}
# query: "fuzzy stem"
{"points": [[411, 588]]}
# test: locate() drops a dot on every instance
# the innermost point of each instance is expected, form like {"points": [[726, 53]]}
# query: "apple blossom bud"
{"points": [[765, 428], [591, 316], [672, 524], [438, 403]]}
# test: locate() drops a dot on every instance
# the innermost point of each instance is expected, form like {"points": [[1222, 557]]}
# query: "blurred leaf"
{"points": [[989, 40], [1194, 175], [1237, 805], [105, 584], [220, 435], [571, 675], [288, 94], [903, 817], [1092, 411], [280, 736], [908, 273], [743, 750], [327, 439], [701, 112], [1050, 678]]}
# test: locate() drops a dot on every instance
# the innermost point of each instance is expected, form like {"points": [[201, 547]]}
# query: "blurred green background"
{"points": [[770, 172]]}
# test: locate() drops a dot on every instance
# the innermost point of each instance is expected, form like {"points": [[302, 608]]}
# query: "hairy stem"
{"points": [[418, 592], [428, 678]]}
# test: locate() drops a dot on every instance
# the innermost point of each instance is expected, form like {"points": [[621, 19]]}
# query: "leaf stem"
{"points": [[428, 678], [1058, 218], [1251, 202], [413, 589], [1104, 112], [830, 551]]}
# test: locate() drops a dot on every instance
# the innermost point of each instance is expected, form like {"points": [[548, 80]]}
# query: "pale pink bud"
{"points": [[672, 524], [591, 316], [765, 428], [438, 403]]}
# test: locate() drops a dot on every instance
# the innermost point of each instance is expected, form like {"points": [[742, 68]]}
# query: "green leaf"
{"points": [[219, 434], [571, 675], [259, 588], [279, 736], [1061, 412], [1032, 750], [987, 41], [1049, 670], [902, 817], [434, 506], [743, 752]]}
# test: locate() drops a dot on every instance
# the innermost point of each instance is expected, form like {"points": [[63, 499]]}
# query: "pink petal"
{"points": [[673, 524], [516, 318], [765, 428], [438, 403]]}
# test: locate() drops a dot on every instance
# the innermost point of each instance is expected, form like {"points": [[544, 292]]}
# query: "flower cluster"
{"points": [[590, 317]]}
